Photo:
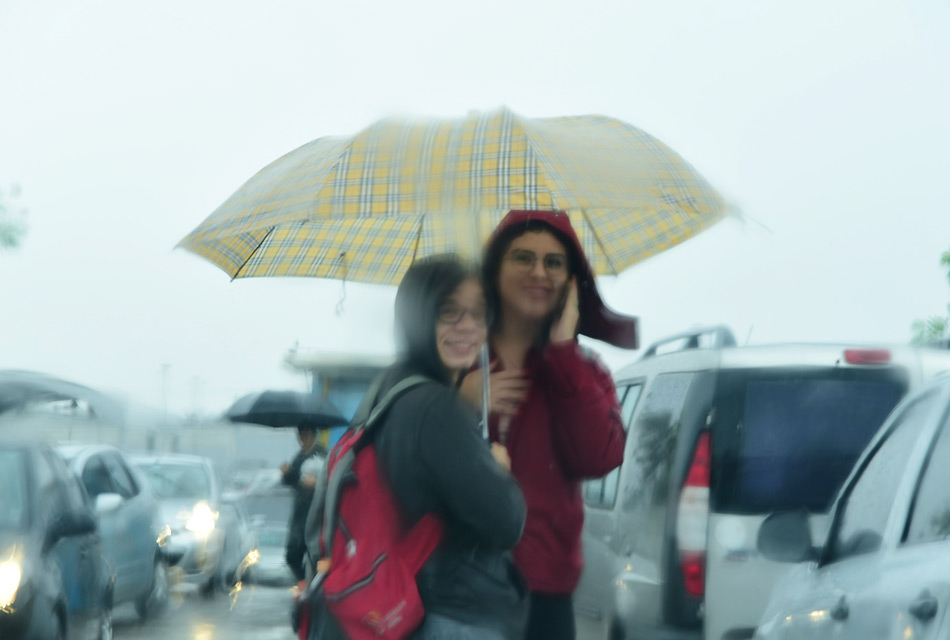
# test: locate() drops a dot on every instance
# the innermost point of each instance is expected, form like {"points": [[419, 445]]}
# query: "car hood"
{"points": [[174, 513]]}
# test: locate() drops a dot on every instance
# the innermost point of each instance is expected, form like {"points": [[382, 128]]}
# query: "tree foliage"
{"points": [[12, 220], [934, 328]]}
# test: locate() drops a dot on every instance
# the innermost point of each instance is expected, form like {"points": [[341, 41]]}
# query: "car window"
{"points": [[42, 472], [787, 439], [862, 516], [74, 491], [121, 478], [178, 480], [930, 517], [630, 401], [651, 441], [602, 492], [96, 477]]}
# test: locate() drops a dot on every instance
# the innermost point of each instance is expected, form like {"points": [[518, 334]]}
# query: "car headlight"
{"points": [[202, 519], [11, 572]]}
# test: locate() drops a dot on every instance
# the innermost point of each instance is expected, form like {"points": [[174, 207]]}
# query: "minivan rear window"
{"points": [[788, 440]]}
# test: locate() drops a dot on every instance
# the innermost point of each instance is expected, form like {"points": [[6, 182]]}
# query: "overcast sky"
{"points": [[126, 123]]}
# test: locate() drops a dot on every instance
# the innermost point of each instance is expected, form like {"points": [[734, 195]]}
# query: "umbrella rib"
{"points": [[251, 254], [603, 249]]}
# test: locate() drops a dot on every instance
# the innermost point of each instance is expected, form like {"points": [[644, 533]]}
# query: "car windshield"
{"points": [[171, 480], [789, 441], [13, 492]]}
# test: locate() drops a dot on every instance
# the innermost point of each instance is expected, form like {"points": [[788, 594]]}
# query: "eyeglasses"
{"points": [[453, 314], [555, 264]]}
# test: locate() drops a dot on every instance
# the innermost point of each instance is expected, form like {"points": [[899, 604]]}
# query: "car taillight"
{"points": [[692, 517], [867, 356]]}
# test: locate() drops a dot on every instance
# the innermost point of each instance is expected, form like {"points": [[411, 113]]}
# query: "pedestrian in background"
{"points": [[301, 476]]}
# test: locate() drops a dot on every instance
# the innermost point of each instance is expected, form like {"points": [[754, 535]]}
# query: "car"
{"points": [[719, 437], [55, 580], [268, 564], [129, 523], [269, 505], [881, 571], [209, 537]]}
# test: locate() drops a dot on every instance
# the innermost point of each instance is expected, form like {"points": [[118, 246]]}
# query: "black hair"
{"points": [[495, 253], [423, 289], [307, 425]]}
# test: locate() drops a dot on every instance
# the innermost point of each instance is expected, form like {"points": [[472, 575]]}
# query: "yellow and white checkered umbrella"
{"points": [[363, 208]]}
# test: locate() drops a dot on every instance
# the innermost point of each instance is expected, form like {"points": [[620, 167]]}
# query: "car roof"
{"points": [[921, 362], [172, 458], [77, 454]]}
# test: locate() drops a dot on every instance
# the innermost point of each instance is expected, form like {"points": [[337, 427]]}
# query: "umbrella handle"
{"points": [[484, 366]]}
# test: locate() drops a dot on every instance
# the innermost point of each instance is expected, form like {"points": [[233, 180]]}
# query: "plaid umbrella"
{"points": [[363, 208]]}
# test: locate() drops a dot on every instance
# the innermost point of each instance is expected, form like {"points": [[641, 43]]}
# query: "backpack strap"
{"points": [[364, 431], [373, 420]]}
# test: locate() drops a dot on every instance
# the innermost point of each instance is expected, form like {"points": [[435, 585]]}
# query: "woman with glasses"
{"points": [[553, 406], [432, 454]]}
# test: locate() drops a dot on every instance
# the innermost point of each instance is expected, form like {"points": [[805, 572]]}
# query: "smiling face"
{"points": [[533, 275], [460, 327]]}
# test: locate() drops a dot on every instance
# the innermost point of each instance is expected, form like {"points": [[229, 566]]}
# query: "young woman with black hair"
{"points": [[431, 452]]}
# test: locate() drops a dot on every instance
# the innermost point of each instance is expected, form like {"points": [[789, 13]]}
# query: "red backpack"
{"points": [[369, 584]]}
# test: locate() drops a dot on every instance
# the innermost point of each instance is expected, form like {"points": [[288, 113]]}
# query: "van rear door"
{"points": [[782, 439]]}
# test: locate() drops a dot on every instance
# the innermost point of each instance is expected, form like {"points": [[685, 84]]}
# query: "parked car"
{"points": [[269, 504], [129, 524], [55, 581], [209, 535], [268, 563], [882, 571], [720, 436]]}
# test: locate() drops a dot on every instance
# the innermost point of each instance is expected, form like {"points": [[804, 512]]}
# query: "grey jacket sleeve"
{"points": [[472, 488]]}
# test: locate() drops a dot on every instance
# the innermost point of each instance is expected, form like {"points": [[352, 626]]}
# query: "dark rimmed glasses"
{"points": [[453, 313], [555, 264]]}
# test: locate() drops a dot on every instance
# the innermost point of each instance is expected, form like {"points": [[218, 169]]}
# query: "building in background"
{"points": [[341, 377]]}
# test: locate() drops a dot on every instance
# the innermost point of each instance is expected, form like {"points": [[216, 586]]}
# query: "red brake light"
{"points": [[698, 475], [867, 356], [693, 518], [693, 566]]}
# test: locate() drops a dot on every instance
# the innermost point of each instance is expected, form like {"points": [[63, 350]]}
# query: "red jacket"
{"points": [[567, 429]]}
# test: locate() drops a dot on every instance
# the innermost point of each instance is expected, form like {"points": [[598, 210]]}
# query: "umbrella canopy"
{"points": [[363, 208], [286, 409]]}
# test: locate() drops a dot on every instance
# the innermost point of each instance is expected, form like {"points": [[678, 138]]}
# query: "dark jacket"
{"points": [[568, 428], [302, 495], [431, 453]]}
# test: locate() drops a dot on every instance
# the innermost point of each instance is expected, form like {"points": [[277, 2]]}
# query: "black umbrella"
{"points": [[286, 409]]}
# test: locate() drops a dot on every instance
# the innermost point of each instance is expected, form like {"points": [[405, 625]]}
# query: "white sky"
{"points": [[127, 123]]}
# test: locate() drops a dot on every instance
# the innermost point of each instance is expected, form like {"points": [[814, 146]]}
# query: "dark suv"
{"points": [[720, 436]]}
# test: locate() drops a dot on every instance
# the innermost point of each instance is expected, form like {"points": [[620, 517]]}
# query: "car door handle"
{"points": [[840, 611], [924, 607]]}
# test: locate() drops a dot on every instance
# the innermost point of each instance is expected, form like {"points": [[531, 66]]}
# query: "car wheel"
{"points": [[217, 583], [616, 631], [157, 597], [60, 627]]}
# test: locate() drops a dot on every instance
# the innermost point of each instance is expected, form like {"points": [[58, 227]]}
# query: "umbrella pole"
{"points": [[485, 367]]}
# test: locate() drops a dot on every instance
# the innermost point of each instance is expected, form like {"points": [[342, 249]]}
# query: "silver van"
{"points": [[719, 437]]}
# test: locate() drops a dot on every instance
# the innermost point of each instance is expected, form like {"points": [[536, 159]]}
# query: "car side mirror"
{"points": [[106, 502], [786, 537], [67, 525]]}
